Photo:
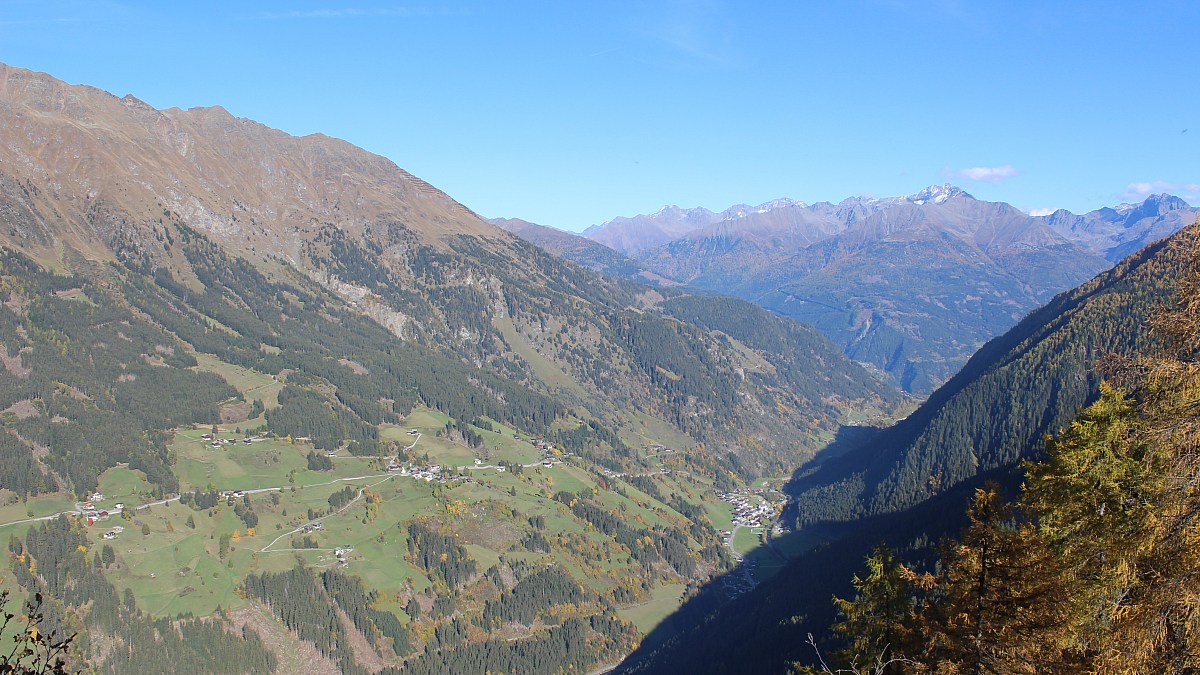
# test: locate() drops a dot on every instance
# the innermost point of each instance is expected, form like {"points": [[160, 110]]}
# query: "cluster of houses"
{"points": [[216, 442], [749, 509], [312, 527], [93, 514], [429, 473], [550, 456]]}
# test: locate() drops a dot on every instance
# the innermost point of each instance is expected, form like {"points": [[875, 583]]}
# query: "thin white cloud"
{"points": [[1041, 212], [1139, 191], [992, 174]]}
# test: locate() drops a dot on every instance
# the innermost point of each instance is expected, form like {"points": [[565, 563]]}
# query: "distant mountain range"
{"points": [[913, 285]]}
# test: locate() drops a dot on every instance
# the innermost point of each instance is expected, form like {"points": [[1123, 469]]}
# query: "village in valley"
{"points": [[271, 504], [756, 510]]}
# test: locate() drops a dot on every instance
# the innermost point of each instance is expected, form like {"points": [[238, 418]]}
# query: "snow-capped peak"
{"points": [[936, 194], [781, 203], [742, 210]]}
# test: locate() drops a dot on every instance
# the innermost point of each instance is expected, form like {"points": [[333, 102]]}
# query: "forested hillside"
{"points": [[1019, 387], [253, 244], [1091, 567]]}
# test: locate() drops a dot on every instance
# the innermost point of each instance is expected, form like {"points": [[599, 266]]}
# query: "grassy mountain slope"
{"points": [[465, 416], [88, 176]]}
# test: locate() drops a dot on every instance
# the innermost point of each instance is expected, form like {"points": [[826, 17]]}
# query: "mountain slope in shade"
{"points": [[908, 485], [86, 176], [1018, 388]]}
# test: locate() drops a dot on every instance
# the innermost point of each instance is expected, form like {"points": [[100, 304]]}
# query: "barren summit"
{"points": [[77, 155]]}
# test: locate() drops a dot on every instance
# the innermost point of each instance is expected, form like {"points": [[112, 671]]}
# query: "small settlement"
{"points": [[750, 508]]}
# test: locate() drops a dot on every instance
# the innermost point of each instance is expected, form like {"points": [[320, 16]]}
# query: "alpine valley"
{"points": [[321, 417], [273, 404]]}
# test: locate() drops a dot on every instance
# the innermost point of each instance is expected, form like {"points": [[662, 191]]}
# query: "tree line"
{"points": [[1092, 567]]}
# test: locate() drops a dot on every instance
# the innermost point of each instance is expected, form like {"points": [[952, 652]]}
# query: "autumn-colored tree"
{"points": [[996, 604], [1156, 624], [33, 651], [1097, 499], [1097, 568]]}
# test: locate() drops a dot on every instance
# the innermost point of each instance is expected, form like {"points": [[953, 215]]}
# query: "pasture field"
{"points": [[41, 505], [648, 615], [176, 559], [252, 384], [720, 513], [745, 540], [122, 484]]}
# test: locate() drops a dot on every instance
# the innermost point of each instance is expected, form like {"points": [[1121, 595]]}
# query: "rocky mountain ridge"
{"points": [[912, 285]]}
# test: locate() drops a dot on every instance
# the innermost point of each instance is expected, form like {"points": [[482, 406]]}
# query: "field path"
{"points": [[168, 500]]}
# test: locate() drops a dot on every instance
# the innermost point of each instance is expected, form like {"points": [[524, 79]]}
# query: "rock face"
{"points": [[634, 235], [913, 285]]}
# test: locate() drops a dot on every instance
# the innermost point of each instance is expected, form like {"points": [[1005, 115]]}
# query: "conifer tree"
{"points": [[877, 624], [995, 605], [1096, 501]]}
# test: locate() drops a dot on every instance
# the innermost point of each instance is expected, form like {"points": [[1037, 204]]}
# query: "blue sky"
{"points": [[570, 113]]}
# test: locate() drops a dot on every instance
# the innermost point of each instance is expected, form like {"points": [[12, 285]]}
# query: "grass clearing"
{"points": [[636, 513], [252, 384], [545, 369], [720, 513], [768, 563], [643, 430], [425, 420], [121, 483], [567, 477], [745, 540], [647, 616], [42, 505]]}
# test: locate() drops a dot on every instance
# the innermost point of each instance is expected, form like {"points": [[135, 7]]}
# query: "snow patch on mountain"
{"points": [[936, 194]]}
